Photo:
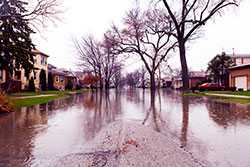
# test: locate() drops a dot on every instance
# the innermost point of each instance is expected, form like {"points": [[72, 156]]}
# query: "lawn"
{"points": [[33, 101], [240, 93], [235, 99], [56, 92], [14, 98], [206, 93]]}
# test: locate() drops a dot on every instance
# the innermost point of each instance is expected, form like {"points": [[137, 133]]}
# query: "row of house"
{"points": [[239, 75], [195, 78], [56, 78]]}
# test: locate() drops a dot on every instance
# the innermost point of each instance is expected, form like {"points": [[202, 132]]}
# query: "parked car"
{"points": [[211, 86]]}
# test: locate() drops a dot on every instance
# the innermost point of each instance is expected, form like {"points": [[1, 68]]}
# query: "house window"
{"points": [[43, 60], [61, 79], [57, 78]]}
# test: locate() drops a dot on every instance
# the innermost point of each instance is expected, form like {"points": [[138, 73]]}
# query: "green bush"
{"points": [[43, 82], [32, 85], [5, 105], [69, 85]]}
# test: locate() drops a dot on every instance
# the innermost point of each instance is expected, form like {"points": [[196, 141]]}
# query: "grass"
{"points": [[56, 92], [38, 100], [237, 100], [32, 101], [240, 93], [206, 93]]}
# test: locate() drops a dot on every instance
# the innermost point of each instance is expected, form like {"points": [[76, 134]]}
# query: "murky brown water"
{"points": [[213, 131]]}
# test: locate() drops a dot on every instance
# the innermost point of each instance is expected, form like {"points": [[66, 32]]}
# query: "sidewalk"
{"points": [[37, 96]]}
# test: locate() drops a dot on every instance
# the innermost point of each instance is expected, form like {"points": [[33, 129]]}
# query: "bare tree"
{"points": [[99, 58], [188, 16], [117, 79], [146, 34], [39, 12], [143, 73], [90, 56], [133, 79], [110, 62]]}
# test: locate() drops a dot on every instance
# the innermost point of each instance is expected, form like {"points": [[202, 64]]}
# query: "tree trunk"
{"points": [[152, 82], [159, 80], [106, 84], [185, 120], [101, 84], [184, 67]]}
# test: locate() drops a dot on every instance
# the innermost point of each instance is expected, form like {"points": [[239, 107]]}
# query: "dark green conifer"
{"points": [[15, 42]]}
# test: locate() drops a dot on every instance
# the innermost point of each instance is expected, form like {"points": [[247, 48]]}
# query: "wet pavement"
{"points": [[131, 144], [72, 132]]}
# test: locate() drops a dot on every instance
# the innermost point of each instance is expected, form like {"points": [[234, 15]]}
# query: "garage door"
{"points": [[241, 82]]}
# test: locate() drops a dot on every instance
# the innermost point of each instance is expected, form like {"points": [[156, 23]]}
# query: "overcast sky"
{"points": [[84, 17]]}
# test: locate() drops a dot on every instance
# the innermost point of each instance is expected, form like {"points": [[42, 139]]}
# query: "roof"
{"points": [[58, 72], [240, 67], [239, 55], [50, 67], [197, 74], [36, 51], [192, 75]]}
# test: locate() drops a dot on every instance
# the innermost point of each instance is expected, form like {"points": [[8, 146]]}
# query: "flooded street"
{"points": [[215, 132]]}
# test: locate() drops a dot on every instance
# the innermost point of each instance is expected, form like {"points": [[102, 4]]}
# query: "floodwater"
{"points": [[215, 132]]}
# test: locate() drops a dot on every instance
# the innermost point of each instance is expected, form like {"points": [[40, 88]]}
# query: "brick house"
{"points": [[195, 77], [239, 77]]}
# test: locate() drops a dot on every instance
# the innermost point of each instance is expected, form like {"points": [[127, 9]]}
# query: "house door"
{"points": [[241, 82]]}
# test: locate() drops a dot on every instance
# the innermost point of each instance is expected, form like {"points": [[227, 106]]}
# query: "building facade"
{"points": [[40, 64], [195, 77], [2, 76], [61, 79], [239, 77], [240, 59]]}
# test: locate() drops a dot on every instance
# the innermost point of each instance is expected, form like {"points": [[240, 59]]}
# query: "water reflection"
{"points": [[228, 114], [214, 131], [100, 111], [185, 120], [17, 132]]}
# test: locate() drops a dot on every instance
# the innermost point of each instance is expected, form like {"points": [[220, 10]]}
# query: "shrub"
{"points": [[78, 87], [5, 106], [50, 82], [69, 85], [31, 85], [43, 82]]}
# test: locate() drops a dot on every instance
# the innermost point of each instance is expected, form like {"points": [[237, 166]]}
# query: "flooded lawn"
{"points": [[214, 132]]}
